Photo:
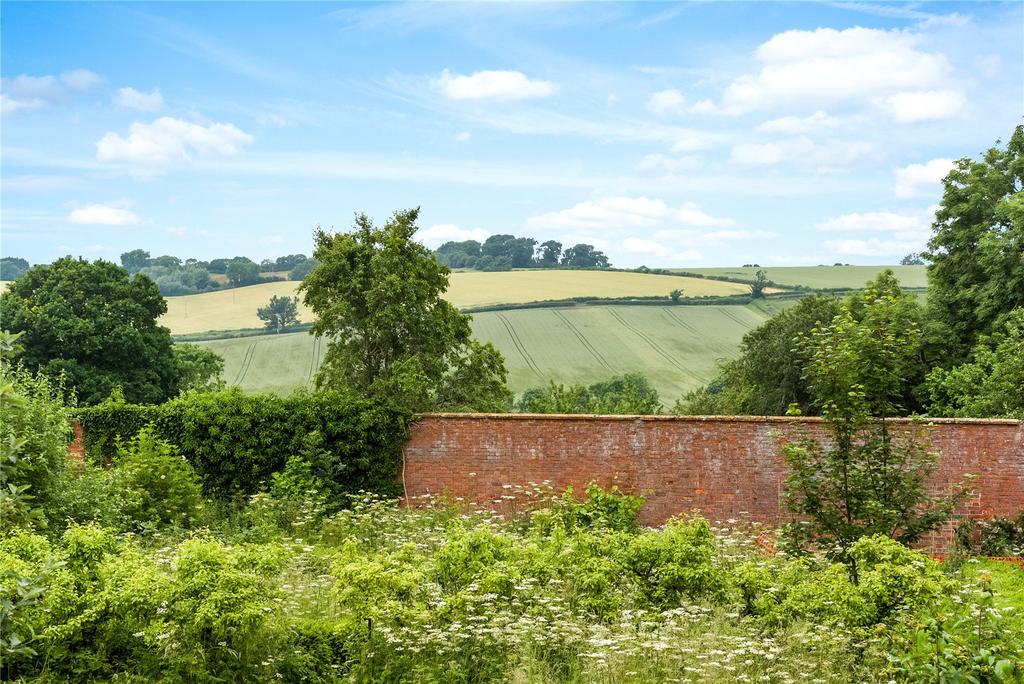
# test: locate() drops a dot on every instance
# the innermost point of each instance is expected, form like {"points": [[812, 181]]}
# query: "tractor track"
{"points": [[583, 340], [658, 349], [520, 347]]}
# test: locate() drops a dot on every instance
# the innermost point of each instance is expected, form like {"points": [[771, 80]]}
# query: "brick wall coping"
{"points": [[704, 419]]}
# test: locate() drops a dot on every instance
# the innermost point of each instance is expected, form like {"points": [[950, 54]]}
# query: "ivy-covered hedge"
{"points": [[235, 441]]}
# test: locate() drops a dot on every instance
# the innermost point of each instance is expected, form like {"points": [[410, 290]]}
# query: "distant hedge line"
{"points": [[235, 441]]}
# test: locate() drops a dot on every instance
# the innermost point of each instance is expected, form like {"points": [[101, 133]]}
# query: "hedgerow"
{"points": [[237, 441]]}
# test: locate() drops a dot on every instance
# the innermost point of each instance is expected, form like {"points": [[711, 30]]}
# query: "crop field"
{"points": [[675, 347], [236, 308], [821, 276]]}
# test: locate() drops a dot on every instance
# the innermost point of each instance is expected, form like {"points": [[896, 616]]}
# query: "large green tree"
{"points": [[991, 383], [976, 274], [866, 478], [95, 324], [376, 293], [279, 313]]}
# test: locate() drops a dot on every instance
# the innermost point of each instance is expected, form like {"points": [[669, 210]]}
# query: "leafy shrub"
{"points": [[162, 487], [1002, 536], [962, 636], [34, 435], [611, 508], [237, 441], [891, 578], [675, 563]]}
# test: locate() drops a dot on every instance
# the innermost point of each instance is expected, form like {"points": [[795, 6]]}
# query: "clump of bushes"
{"points": [[236, 442]]}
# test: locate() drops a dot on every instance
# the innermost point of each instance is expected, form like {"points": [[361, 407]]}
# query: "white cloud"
{"points": [[168, 140], [704, 107], [666, 102], [80, 79], [801, 152], [623, 213], [795, 125], [692, 142], [922, 179], [114, 214], [267, 240], [24, 92], [924, 105], [826, 67], [901, 222], [152, 101], [463, 136], [874, 247], [448, 232], [493, 85], [660, 250], [660, 163], [907, 231]]}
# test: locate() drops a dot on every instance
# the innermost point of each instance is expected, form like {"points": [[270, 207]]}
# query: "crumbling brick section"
{"points": [[724, 467]]}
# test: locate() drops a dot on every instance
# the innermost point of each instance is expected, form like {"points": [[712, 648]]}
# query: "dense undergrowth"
{"points": [[557, 590]]}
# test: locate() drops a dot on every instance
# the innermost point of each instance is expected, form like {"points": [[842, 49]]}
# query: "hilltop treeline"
{"points": [[175, 276], [505, 252]]}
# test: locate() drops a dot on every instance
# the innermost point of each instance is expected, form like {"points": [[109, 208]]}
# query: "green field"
{"points": [[235, 308], [675, 347], [820, 276]]}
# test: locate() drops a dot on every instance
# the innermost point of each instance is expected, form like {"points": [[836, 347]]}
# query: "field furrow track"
{"points": [[246, 363], [730, 315], [681, 323], [583, 340], [313, 360], [658, 349], [520, 347]]}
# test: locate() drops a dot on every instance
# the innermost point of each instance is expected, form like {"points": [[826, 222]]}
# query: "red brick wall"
{"points": [[726, 467]]}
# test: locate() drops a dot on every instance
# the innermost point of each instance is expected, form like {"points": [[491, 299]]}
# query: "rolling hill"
{"points": [[675, 347], [236, 308]]}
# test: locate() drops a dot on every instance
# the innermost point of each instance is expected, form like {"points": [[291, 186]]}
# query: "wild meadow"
{"points": [[132, 572]]}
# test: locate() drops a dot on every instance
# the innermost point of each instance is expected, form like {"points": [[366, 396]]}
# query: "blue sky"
{"points": [[689, 134]]}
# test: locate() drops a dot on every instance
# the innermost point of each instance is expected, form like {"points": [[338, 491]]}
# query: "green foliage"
{"points": [[976, 274], [991, 384], [279, 313], [198, 368], [962, 636], [94, 324], [34, 435], [629, 394], [301, 269], [892, 579], [237, 441], [12, 267], [767, 378], [584, 256], [135, 260], [760, 284], [242, 271], [163, 488], [571, 593], [866, 480], [601, 509], [377, 293]]}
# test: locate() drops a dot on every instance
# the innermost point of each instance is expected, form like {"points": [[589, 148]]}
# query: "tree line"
{"points": [[505, 252]]}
